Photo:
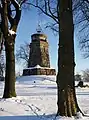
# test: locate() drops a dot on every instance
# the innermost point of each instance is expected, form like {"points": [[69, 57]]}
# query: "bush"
{"points": [[86, 75], [80, 84], [78, 77]]}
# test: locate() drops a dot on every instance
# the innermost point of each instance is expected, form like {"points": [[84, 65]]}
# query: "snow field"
{"points": [[37, 100]]}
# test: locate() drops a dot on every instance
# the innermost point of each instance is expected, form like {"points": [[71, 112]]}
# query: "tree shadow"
{"points": [[31, 117]]}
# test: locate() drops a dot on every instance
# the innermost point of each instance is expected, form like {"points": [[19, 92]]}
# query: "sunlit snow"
{"points": [[36, 100]]}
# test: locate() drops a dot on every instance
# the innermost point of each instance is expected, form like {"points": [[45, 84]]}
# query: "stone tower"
{"points": [[39, 54], [39, 62]]}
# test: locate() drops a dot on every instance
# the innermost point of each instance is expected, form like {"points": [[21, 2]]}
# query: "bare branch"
{"points": [[22, 2], [10, 18], [45, 12], [16, 19], [4, 18], [49, 8], [58, 8], [23, 53], [87, 1], [53, 27]]}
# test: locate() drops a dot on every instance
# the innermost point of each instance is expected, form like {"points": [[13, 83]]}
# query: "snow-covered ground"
{"points": [[36, 100]]}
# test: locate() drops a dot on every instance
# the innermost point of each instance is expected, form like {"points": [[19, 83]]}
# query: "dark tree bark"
{"points": [[63, 19], [9, 34], [67, 103], [9, 90]]}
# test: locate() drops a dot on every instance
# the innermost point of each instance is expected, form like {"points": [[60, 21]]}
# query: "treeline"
{"points": [[83, 76]]}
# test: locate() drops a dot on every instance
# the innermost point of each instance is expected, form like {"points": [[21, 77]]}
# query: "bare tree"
{"points": [[85, 75], [9, 23], [78, 77], [67, 105], [81, 20], [61, 14], [49, 8], [22, 54]]}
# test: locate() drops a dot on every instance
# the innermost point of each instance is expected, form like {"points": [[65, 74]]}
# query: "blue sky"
{"points": [[27, 27]]}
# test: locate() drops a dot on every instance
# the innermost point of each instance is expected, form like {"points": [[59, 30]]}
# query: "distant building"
{"points": [[39, 62], [39, 51]]}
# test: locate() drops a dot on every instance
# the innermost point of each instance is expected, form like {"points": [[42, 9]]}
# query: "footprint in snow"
{"points": [[36, 107], [26, 110], [1, 109]]}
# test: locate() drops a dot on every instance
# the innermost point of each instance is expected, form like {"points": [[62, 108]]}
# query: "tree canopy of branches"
{"points": [[85, 75], [78, 77], [80, 14], [81, 21], [49, 8], [60, 11], [22, 54]]}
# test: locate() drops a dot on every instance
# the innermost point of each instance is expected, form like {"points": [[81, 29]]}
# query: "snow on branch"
{"points": [[11, 32], [14, 21], [16, 3]]}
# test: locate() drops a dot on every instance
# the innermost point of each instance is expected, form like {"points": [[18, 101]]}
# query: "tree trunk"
{"points": [[67, 103], [9, 90]]}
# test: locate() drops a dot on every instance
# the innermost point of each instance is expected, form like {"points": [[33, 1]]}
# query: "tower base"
{"points": [[37, 70]]}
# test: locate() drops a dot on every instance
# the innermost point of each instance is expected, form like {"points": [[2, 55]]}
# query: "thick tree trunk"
{"points": [[8, 28], [9, 90], [67, 103]]}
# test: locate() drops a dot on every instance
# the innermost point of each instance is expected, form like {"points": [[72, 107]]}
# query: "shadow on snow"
{"points": [[32, 117]]}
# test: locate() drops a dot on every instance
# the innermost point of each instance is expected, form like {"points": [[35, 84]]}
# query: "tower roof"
{"points": [[39, 29], [39, 36]]}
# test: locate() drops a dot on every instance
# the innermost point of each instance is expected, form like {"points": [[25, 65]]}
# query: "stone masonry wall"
{"points": [[39, 54], [39, 72]]}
